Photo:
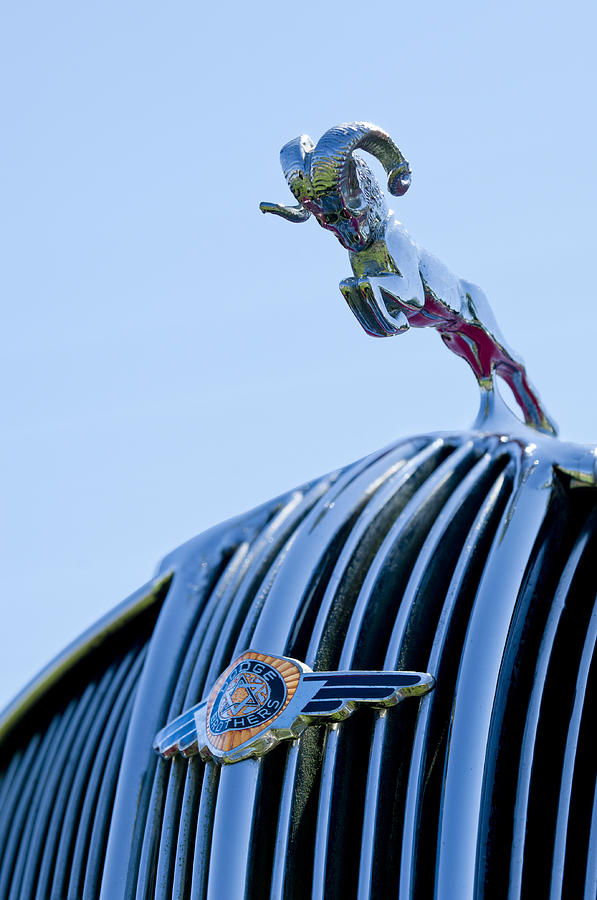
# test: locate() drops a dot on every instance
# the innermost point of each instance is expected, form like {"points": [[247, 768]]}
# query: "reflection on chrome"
{"points": [[469, 556], [396, 284]]}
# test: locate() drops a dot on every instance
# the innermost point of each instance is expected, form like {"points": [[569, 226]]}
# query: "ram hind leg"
{"points": [[526, 396], [504, 361]]}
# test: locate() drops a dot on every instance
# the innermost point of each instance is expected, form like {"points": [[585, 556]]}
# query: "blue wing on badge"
{"points": [[180, 735], [341, 692]]}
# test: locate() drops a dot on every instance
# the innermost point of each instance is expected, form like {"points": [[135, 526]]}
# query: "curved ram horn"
{"points": [[294, 159], [291, 213], [331, 158]]}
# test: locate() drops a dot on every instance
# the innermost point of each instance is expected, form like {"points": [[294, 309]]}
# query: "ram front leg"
{"points": [[375, 308]]}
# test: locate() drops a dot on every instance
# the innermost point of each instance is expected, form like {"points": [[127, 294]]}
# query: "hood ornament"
{"points": [[397, 285], [261, 699]]}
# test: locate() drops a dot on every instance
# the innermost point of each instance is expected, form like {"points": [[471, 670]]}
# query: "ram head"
{"points": [[338, 188]]}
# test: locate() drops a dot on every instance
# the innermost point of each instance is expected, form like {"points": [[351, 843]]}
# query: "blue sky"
{"points": [[172, 357]]}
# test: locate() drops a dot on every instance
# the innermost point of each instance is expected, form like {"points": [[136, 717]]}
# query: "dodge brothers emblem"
{"points": [[261, 700]]}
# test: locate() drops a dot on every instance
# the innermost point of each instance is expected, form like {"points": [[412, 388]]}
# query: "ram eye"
{"points": [[332, 218]]}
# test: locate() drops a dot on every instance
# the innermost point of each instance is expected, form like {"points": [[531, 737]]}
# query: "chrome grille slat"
{"points": [[190, 586], [283, 853], [438, 489], [461, 503], [590, 886], [425, 506], [169, 830], [144, 875], [47, 780], [275, 612], [370, 812], [282, 859], [8, 783], [563, 814], [334, 515], [221, 622], [17, 816], [94, 861], [232, 827], [264, 560], [225, 622], [20, 777], [183, 863], [209, 626], [529, 740], [483, 531], [205, 818], [76, 760], [383, 509], [197, 644], [152, 834], [81, 809], [321, 872], [481, 656], [448, 493]]}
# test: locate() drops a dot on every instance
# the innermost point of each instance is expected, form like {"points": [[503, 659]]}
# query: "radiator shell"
{"points": [[456, 554]]}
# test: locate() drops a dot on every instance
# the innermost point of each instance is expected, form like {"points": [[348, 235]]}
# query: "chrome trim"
{"points": [[134, 833], [92, 822], [591, 874], [96, 719], [321, 572], [419, 502], [396, 284], [436, 483], [533, 710], [572, 739], [414, 795], [278, 605], [460, 812], [233, 826]]}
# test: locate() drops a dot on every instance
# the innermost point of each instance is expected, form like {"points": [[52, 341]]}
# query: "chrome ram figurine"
{"points": [[396, 284], [464, 560]]}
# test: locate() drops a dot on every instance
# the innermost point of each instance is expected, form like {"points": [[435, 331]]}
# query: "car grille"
{"points": [[57, 793], [458, 555]]}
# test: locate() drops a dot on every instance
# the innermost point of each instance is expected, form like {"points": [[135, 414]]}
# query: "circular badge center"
{"points": [[252, 693]]}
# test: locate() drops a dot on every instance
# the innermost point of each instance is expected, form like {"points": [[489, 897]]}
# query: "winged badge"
{"points": [[260, 700]]}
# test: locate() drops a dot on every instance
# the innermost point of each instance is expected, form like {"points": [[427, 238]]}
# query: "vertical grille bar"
{"points": [[67, 749], [424, 778], [478, 675], [590, 886], [221, 616], [176, 624], [20, 800], [572, 739], [386, 510], [73, 771], [94, 784], [103, 813], [444, 495], [315, 546], [529, 739], [46, 777]]}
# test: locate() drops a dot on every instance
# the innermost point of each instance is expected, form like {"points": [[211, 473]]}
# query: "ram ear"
{"points": [[296, 213]]}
